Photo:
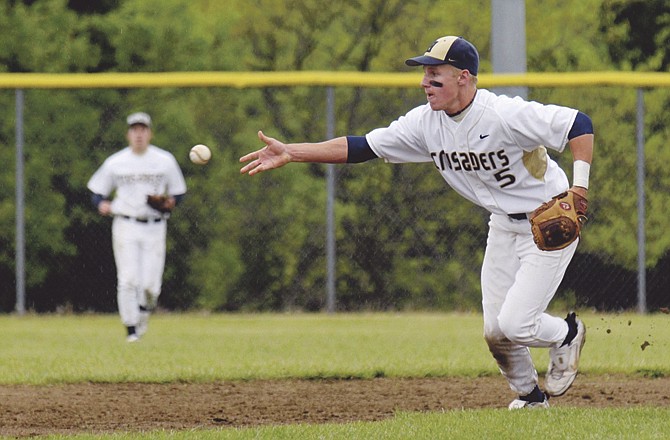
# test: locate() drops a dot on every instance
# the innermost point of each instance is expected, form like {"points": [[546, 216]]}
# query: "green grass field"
{"points": [[51, 349], [557, 424]]}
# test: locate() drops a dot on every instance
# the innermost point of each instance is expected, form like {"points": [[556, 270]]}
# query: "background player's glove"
{"points": [[159, 203], [557, 223]]}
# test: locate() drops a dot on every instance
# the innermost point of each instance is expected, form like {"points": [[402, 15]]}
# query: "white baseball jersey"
{"points": [[134, 177], [495, 156]]}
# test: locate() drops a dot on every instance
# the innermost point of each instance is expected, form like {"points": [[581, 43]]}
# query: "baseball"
{"points": [[200, 154]]}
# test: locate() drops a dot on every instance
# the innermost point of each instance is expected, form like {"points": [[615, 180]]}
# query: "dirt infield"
{"points": [[99, 408]]}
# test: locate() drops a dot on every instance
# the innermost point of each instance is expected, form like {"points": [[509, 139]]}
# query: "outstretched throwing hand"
{"points": [[273, 155]]}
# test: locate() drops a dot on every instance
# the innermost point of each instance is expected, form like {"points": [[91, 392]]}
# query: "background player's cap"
{"points": [[455, 51], [139, 118]]}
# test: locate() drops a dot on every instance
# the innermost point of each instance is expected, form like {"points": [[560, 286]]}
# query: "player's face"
{"points": [[139, 137], [441, 86]]}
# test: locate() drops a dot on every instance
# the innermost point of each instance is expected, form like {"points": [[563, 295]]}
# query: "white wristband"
{"points": [[580, 173]]}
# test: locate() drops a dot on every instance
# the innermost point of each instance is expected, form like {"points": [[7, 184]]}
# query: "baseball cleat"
{"points": [[521, 404], [564, 362], [132, 334]]}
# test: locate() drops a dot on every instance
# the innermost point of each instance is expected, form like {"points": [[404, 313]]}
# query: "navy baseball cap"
{"points": [[455, 51], [139, 118]]}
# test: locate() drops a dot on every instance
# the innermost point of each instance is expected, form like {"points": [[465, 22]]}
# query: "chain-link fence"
{"points": [[402, 239]]}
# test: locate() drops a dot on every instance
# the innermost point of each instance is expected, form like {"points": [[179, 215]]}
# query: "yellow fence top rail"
{"points": [[315, 78]]}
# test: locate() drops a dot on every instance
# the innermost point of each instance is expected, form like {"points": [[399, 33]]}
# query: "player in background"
{"points": [[139, 231], [493, 151]]}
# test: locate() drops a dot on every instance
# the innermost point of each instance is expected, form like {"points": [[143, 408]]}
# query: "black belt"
{"points": [[144, 219], [518, 216]]}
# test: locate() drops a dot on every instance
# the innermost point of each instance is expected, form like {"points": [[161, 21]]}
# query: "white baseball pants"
{"points": [[518, 282], [139, 253]]}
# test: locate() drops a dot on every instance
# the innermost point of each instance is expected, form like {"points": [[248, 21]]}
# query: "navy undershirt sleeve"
{"points": [[96, 199], [178, 198], [359, 150], [582, 125]]}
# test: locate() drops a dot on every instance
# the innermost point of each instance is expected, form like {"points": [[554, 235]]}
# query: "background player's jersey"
{"points": [[494, 156], [134, 176]]}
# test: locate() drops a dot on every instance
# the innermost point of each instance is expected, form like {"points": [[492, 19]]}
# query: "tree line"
{"points": [[404, 240]]}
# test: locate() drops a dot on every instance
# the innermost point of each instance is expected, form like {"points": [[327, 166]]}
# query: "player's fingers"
{"points": [[250, 156], [264, 138], [256, 154], [249, 167], [257, 167], [256, 170], [271, 144]]}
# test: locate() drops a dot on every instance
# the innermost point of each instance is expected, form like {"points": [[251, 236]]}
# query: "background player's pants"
{"points": [[518, 282], [139, 253]]}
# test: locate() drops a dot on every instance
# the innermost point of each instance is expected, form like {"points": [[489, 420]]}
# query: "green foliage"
{"points": [[404, 240], [404, 251], [658, 179], [564, 39], [637, 33], [44, 37], [143, 42]]}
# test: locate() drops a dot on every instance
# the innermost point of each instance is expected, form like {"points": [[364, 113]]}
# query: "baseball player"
{"points": [[493, 151], [138, 175]]}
